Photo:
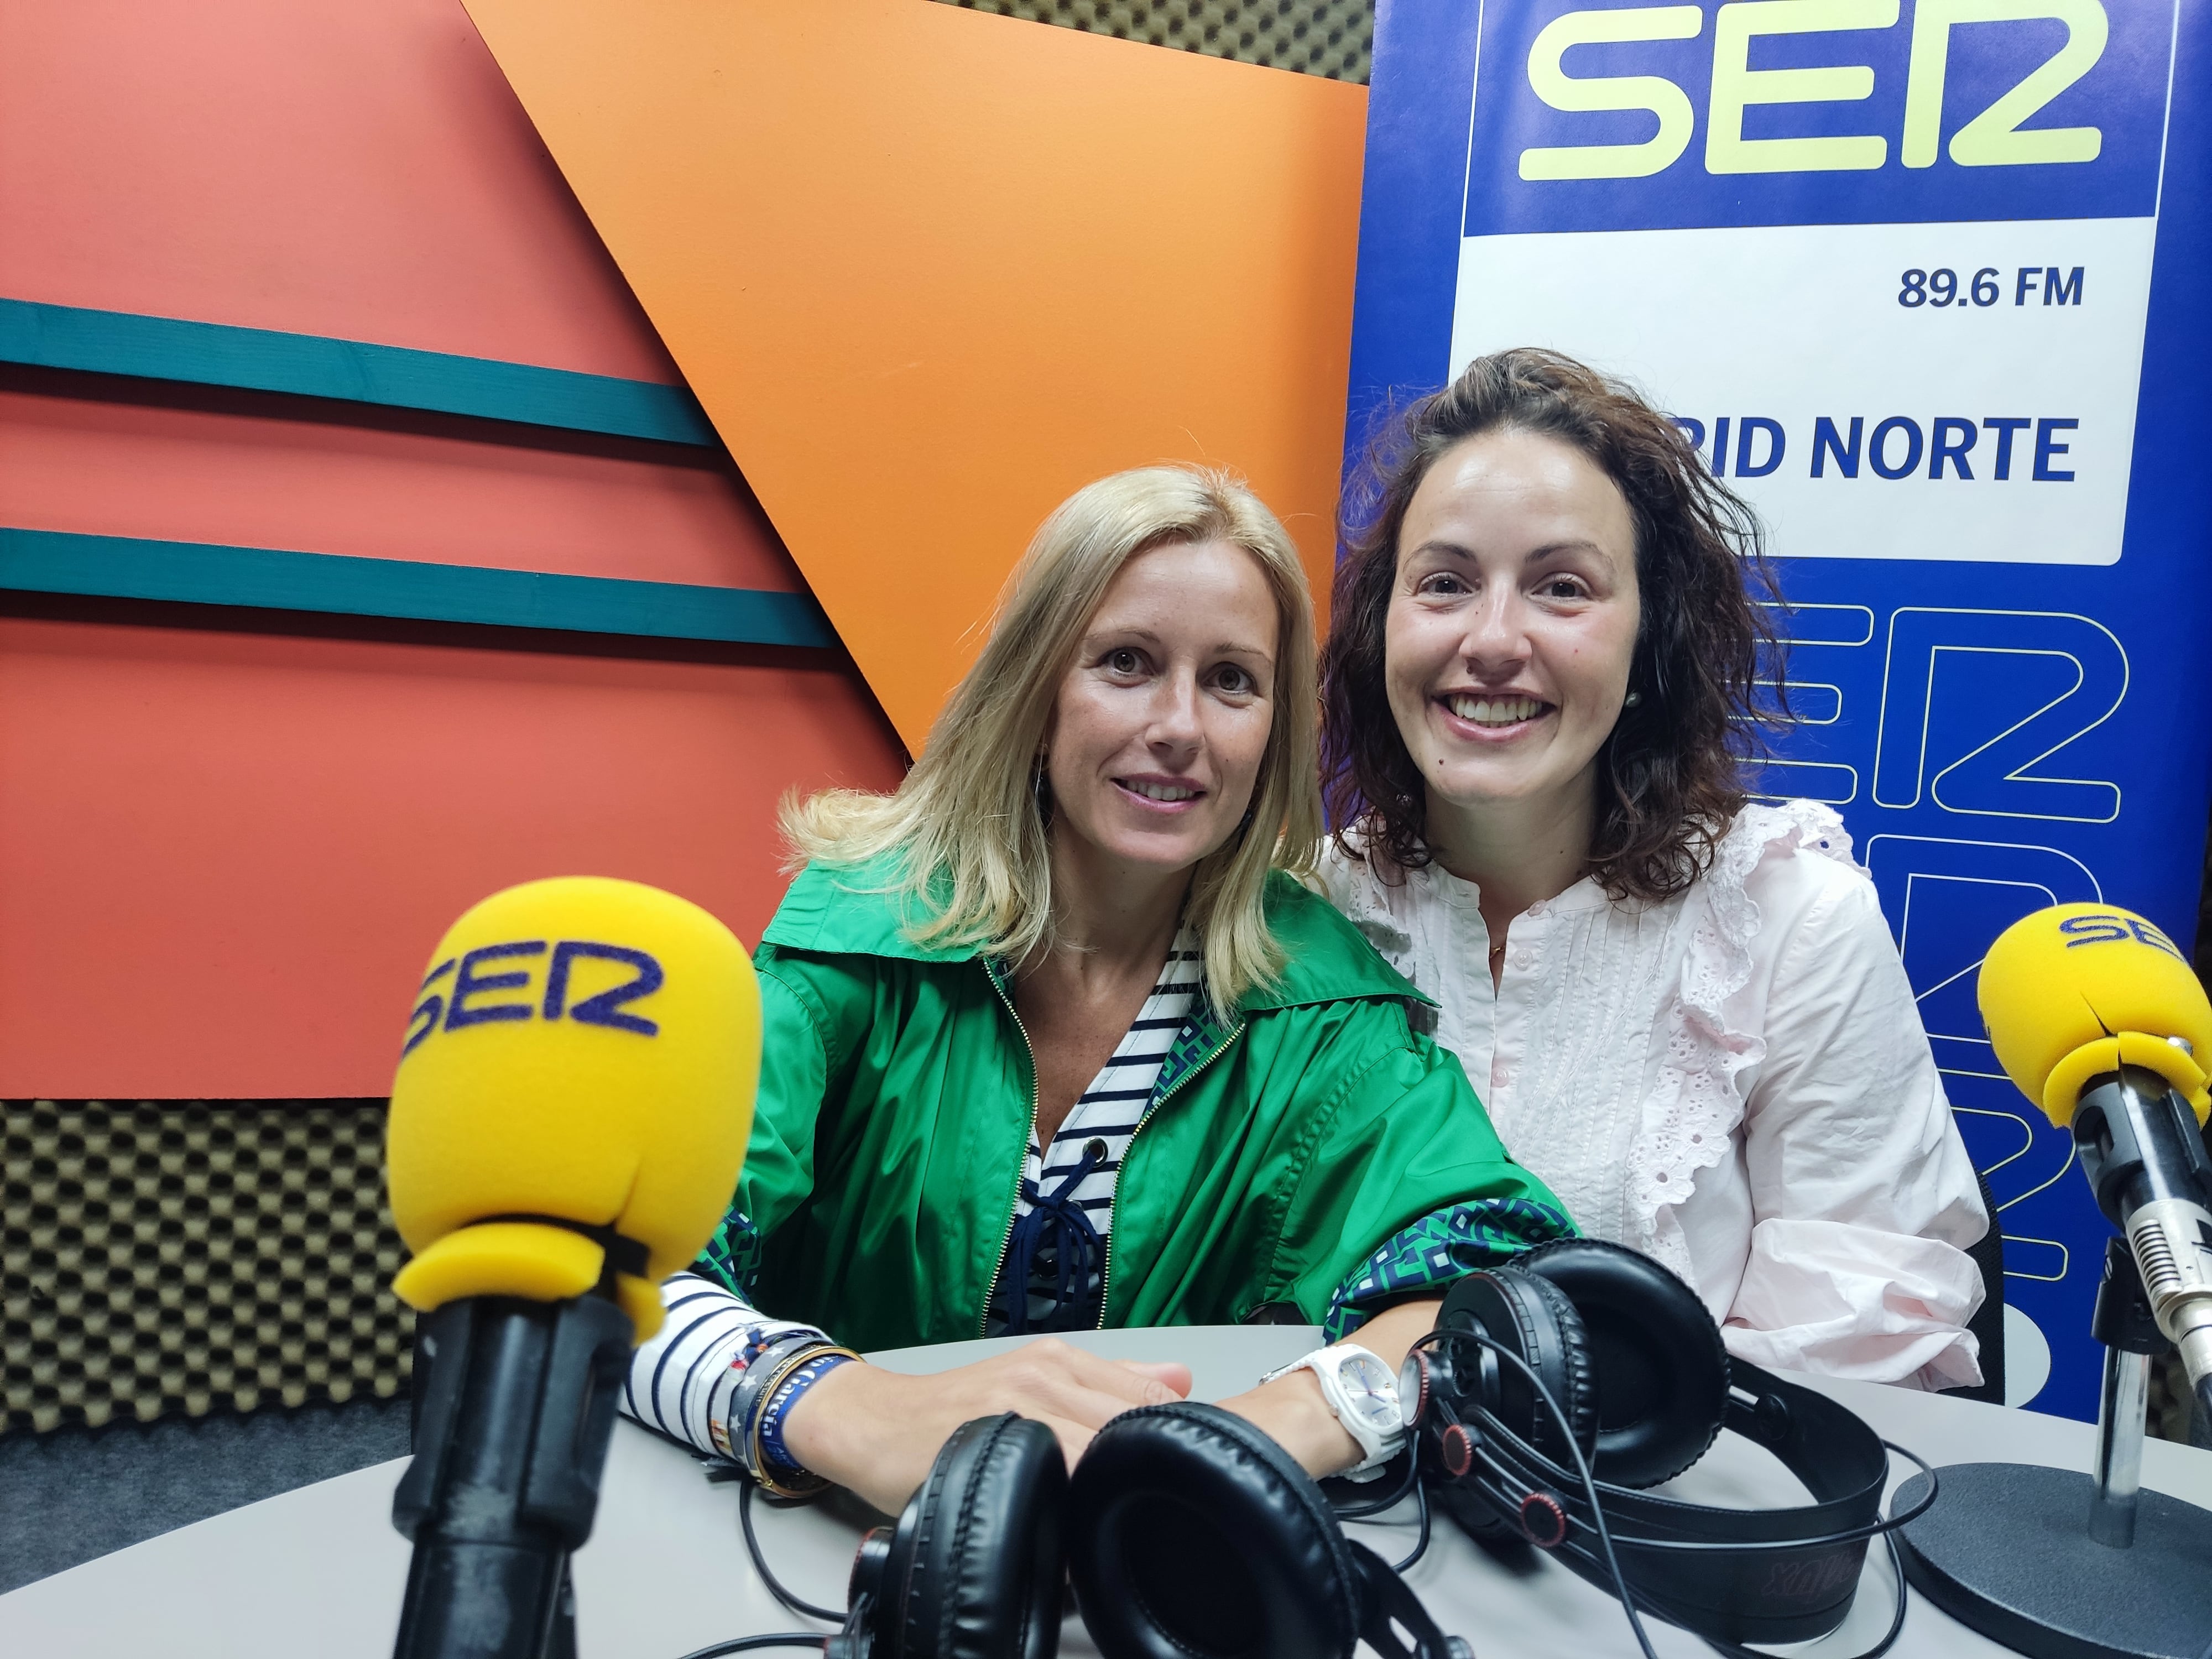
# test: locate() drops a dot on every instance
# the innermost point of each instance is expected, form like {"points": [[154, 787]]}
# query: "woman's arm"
{"points": [[862, 1427], [877, 1431], [1293, 1411], [1409, 1173], [683, 1382], [873, 1430], [1863, 1198], [804, 1004], [1406, 1189]]}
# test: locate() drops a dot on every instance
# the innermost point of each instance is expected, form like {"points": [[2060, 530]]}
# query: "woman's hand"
{"points": [[1293, 1411], [877, 1431]]}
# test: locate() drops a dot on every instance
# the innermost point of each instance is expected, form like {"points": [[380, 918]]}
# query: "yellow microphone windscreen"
{"points": [[2076, 990], [577, 1077]]}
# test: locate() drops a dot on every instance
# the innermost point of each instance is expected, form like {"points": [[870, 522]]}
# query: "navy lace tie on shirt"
{"points": [[1056, 1233]]}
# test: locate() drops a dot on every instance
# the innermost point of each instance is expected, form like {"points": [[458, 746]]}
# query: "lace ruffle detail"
{"points": [[1696, 1107]]}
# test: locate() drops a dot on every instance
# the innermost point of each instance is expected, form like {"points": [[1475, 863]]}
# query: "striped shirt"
{"points": [[1084, 1161], [682, 1381]]}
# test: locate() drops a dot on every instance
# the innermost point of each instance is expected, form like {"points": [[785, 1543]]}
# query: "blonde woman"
{"points": [[1054, 1042]]}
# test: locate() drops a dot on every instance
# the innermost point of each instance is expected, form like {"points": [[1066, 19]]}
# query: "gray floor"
{"points": [[76, 1493]]}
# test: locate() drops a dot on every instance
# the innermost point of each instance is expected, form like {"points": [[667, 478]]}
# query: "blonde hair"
{"points": [[966, 820]]}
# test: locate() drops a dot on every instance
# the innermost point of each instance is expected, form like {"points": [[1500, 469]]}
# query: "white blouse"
{"points": [[1733, 1080]]}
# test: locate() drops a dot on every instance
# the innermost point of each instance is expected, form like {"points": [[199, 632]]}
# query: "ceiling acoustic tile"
{"points": [[928, 270]]}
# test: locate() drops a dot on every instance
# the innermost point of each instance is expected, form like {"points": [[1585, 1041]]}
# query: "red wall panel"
{"points": [[224, 851], [224, 857], [462, 493], [351, 167]]}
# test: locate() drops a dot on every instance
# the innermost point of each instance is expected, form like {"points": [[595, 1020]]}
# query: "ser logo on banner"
{"points": [[1855, 296], [1734, 91]]}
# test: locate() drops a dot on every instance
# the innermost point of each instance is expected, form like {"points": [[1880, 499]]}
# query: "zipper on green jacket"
{"points": [[1106, 1273], [1014, 1198]]}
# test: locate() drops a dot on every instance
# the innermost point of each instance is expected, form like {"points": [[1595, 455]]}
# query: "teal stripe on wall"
{"points": [[201, 573], [351, 371]]}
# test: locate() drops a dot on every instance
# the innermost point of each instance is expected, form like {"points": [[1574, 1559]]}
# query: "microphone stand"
{"points": [[515, 1416], [2124, 1323], [2058, 1565]]}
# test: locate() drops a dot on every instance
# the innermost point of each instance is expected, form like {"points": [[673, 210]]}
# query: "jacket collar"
{"points": [[860, 910], [856, 909]]}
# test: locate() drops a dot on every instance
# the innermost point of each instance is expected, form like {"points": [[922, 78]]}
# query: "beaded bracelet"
{"points": [[775, 1458]]}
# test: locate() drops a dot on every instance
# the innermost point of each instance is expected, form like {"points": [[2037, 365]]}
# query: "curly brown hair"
{"points": [[1670, 773]]}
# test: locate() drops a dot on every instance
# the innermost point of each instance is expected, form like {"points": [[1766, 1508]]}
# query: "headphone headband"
{"points": [[1755, 1575]]}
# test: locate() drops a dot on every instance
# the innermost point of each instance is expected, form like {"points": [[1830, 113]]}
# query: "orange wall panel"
{"points": [[224, 856], [930, 269]]}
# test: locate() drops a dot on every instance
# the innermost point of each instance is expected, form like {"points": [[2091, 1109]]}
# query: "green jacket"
{"points": [[1308, 1148]]}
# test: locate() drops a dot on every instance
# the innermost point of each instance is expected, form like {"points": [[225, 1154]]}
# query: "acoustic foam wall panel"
{"points": [[1332, 38], [181, 1255]]}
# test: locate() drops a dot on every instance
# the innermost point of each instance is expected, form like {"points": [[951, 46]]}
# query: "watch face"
{"points": [[1370, 1391]]}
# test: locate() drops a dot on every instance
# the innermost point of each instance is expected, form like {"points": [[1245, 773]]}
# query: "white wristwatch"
{"points": [[1363, 1392]]}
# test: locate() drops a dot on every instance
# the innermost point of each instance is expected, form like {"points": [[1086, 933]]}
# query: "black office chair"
{"points": [[1988, 1322]]}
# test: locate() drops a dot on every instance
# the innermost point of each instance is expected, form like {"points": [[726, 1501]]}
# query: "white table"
{"points": [[320, 1572]]}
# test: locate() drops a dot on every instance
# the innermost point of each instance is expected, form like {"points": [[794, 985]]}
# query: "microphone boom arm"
{"points": [[2140, 1146]]}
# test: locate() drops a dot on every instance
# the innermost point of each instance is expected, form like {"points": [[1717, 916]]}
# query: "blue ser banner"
{"points": [[1925, 281]]}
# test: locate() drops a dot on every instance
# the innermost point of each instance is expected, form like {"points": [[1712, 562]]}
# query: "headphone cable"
{"points": [[1421, 1548], [776, 1586], [1582, 1470], [720, 1472], [1406, 1483]]}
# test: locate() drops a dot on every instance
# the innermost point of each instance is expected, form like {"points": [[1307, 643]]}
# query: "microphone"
{"points": [[2097, 1018], [2101, 1020], [567, 1123]]}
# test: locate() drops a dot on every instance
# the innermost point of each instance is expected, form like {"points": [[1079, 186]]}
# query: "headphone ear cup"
{"points": [[1662, 1371], [1193, 1535], [1534, 1319], [974, 1567]]}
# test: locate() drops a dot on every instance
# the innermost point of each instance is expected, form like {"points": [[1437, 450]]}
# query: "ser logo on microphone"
{"points": [[2112, 930], [470, 1001]]}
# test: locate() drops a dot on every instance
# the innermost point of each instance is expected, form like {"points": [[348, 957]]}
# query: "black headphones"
{"points": [[1553, 1390], [971, 1570], [1558, 1385], [1191, 1534]]}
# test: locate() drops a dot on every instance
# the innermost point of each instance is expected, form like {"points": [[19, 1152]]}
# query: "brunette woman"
{"points": [[1681, 1006]]}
